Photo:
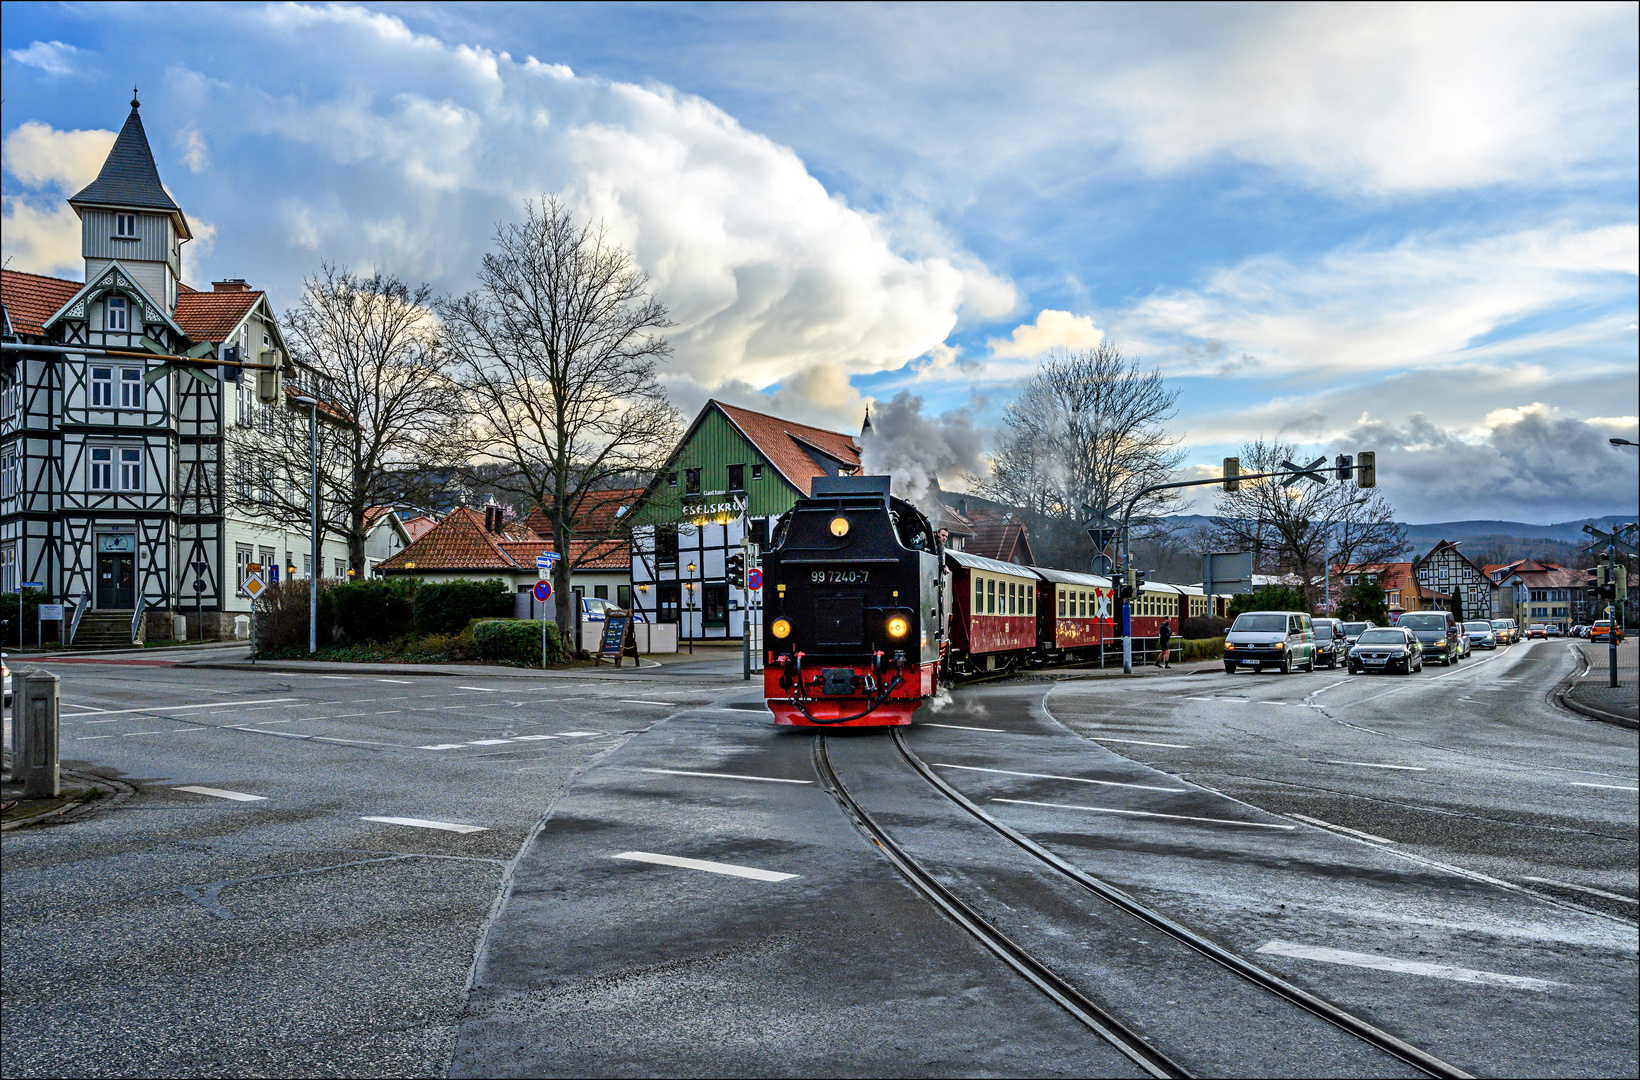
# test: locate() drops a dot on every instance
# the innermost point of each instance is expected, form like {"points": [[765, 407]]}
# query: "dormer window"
{"points": [[116, 314], [125, 226]]}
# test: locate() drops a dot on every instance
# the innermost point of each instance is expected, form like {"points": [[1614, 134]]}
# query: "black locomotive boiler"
{"points": [[855, 602]]}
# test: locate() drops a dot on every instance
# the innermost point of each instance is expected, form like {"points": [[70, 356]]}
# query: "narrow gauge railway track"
{"points": [[1148, 1057]]}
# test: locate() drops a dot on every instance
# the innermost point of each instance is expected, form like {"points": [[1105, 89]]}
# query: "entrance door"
{"points": [[116, 581]]}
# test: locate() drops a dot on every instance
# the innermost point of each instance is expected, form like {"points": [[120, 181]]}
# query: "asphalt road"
{"points": [[1448, 855]]}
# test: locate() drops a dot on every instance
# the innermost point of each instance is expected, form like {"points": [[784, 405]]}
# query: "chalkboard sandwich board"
{"points": [[619, 638]]}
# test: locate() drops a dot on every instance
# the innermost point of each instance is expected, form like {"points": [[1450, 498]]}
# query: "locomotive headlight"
{"points": [[898, 626], [839, 526], [781, 628]]}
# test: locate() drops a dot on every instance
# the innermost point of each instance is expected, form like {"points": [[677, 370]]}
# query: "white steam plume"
{"points": [[916, 450]]}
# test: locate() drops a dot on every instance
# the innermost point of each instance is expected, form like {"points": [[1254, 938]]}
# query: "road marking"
{"points": [[1343, 829], [88, 738], [359, 742], [532, 738], [1583, 889], [447, 826], [480, 689], [1375, 765], [1137, 742], [128, 734], [727, 776], [397, 682], [174, 708], [1405, 967], [1146, 813], [344, 678], [577, 734], [962, 727], [729, 869], [487, 742], [1051, 776], [179, 730], [635, 701], [443, 746], [1612, 787], [281, 734], [218, 793]]}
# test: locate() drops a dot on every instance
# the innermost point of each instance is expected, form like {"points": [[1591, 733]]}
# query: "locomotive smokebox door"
{"points": [[839, 681]]}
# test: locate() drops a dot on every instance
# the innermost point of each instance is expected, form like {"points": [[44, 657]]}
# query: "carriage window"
{"points": [[1030, 602], [990, 596], [1060, 594], [1084, 604]]}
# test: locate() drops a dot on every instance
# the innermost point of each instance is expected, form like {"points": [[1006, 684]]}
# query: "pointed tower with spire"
{"points": [[127, 216]]}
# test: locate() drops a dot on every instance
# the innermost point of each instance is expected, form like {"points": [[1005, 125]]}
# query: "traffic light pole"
{"points": [[1127, 515]]}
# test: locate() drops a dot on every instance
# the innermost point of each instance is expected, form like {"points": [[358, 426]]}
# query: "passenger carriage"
{"points": [[1077, 613], [994, 623]]}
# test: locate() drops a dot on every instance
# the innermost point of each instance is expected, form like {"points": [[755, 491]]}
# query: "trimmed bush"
{"points": [[516, 641], [282, 616], [1203, 626], [376, 610], [1269, 598], [434, 648], [1203, 648], [446, 607]]}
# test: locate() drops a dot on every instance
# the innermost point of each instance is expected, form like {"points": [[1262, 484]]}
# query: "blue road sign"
{"points": [[543, 591], [545, 560], [754, 579], [32, 585], [273, 573]]}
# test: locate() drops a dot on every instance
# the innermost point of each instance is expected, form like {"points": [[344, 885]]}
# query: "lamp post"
{"points": [[689, 607], [313, 571]]}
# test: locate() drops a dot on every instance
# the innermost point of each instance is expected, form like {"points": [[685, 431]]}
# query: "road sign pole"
{"points": [[745, 605]]}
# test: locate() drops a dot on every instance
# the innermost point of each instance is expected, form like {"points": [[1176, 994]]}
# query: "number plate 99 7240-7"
{"points": [[839, 577]]}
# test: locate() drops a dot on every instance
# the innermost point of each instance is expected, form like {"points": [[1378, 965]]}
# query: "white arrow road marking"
{"points": [[1405, 967], [447, 826], [218, 793], [729, 869]]}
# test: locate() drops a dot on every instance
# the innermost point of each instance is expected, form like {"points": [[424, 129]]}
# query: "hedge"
{"points": [[447, 607], [516, 641], [377, 610], [282, 615], [1203, 626]]}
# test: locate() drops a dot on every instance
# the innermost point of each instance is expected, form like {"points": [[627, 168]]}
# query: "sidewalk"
{"points": [[81, 793], [712, 660], [1591, 693]]}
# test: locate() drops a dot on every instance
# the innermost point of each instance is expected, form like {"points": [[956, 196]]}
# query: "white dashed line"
{"points": [[218, 793], [960, 727], [447, 826], [343, 678], [1146, 813], [577, 734], [175, 708], [443, 746], [88, 738], [532, 738], [480, 689], [726, 776], [281, 734], [1405, 967], [1609, 787], [128, 734], [1357, 833], [1583, 889], [1051, 776], [1137, 742], [397, 682], [728, 869], [488, 742], [1376, 765], [635, 701]]}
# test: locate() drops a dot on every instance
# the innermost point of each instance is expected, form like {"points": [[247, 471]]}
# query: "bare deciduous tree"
{"points": [[367, 349], [1303, 527], [1090, 428], [557, 350]]}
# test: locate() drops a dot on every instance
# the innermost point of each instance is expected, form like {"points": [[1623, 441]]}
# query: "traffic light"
{"points": [[1603, 582], [1232, 470], [1367, 469], [1620, 582], [1346, 470], [1125, 588], [737, 570]]}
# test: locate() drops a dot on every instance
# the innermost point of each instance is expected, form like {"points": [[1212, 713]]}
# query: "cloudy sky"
{"points": [[1408, 229]]}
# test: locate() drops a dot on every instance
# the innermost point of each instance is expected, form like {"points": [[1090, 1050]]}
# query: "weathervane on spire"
{"points": [[134, 102]]}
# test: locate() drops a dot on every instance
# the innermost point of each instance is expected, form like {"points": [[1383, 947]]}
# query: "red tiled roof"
{"points": [[584, 554], [460, 542], [31, 299], [998, 536], [783, 443], [598, 513], [211, 316], [418, 526]]}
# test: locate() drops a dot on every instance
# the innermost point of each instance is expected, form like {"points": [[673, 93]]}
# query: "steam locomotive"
{"points": [[865, 612]]}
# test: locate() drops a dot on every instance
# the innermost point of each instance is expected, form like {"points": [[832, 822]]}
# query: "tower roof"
{"points": [[129, 177]]}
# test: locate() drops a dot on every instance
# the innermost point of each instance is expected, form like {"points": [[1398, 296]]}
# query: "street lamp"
{"points": [[689, 608], [313, 571], [1622, 442]]}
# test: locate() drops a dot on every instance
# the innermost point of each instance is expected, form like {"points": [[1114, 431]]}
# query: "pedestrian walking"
{"points": [[1163, 658]]}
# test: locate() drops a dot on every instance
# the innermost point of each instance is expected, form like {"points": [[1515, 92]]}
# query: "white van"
{"points": [[1279, 639]]}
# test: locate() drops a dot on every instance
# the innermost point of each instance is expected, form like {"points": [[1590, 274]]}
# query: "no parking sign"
{"points": [[754, 579], [543, 590]]}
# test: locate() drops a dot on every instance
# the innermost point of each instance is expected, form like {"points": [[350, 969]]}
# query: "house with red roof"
{"points": [[115, 393], [731, 475]]}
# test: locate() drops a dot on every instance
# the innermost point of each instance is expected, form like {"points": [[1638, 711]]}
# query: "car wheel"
{"points": [[1229, 669], [1286, 665], [1309, 665]]}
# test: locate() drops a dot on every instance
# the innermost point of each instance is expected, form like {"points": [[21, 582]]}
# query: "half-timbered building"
{"points": [[113, 471]]}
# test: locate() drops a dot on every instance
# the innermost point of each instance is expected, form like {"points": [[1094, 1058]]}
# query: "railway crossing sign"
{"points": [[543, 590], [1304, 472], [254, 585], [754, 579]]}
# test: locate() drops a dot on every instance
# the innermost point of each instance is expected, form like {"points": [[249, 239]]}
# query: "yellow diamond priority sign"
{"points": [[254, 585]]}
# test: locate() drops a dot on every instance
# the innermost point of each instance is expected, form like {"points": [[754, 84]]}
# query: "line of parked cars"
{"points": [[1292, 639]]}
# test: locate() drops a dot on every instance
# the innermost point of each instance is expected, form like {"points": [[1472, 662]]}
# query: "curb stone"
{"points": [[1560, 696], [118, 792]]}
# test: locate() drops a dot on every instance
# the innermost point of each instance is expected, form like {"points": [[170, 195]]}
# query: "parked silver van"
{"points": [[1279, 639]]}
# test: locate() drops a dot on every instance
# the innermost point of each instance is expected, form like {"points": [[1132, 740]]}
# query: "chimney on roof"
{"points": [[489, 519], [233, 284]]}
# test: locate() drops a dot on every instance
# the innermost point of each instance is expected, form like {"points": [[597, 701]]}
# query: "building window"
{"points": [[668, 596], [102, 388], [757, 472], [102, 468], [130, 468], [8, 568], [672, 479], [666, 548], [125, 226], [341, 569], [243, 556], [691, 481], [130, 388], [8, 477], [737, 478], [116, 313], [623, 597], [600, 592]]}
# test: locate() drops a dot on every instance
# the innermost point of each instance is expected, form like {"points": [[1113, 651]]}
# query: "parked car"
{"points": [[1509, 633], [593, 608], [1352, 631], [1329, 642], [1437, 632], [1578, 630], [1555, 630], [7, 670], [1602, 630], [1280, 639], [1387, 648], [1481, 634], [1537, 630]]}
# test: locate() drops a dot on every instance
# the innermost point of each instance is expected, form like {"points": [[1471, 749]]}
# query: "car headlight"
{"points": [[839, 526], [1229, 646], [781, 628], [898, 626]]}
